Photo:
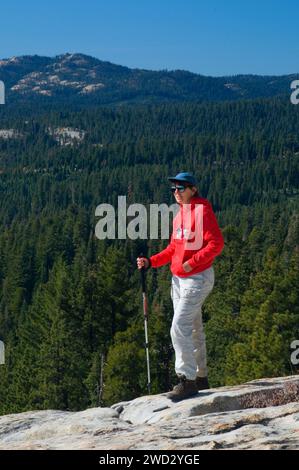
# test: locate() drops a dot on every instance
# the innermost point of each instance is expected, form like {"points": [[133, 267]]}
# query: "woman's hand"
{"points": [[186, 267], [142, 263]]}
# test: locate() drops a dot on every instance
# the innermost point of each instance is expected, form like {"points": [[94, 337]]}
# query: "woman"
{"points": [[192, 281]]}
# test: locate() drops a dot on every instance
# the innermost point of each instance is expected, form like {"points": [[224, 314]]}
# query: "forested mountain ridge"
{"points": [[68, 299], [78, 78]]}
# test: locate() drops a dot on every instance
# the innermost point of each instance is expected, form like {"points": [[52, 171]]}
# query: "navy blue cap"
{"points": [[185, 177]]}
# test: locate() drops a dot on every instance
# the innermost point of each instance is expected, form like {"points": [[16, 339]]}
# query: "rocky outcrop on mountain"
{"points": [[262, 414]]}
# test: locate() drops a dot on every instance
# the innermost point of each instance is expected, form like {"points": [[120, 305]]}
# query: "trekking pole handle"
{"points": [[142, 272], [143, 279]]}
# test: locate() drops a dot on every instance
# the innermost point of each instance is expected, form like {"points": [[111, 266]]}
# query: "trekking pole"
{"points": [[145, 313]]}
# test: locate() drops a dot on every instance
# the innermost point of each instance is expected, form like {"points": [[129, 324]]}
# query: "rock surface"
{"points": [[222, 418]]}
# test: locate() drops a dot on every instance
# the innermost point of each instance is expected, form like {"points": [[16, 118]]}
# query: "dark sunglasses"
{"points": [[180, 188]]}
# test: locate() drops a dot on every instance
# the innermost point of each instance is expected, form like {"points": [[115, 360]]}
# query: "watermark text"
{"points": [[2, 92], [295, 353], [136, 221], [2, 353], [295, 94]]}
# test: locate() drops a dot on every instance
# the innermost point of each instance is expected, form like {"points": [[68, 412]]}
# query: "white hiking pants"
{"points": [[187, 332]]}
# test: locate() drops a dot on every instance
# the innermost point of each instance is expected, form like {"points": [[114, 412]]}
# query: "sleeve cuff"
{"points": [[192, 263], [149, 260]]}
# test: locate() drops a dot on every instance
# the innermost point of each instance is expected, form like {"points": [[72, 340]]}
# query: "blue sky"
{"points": [[211, 37]]}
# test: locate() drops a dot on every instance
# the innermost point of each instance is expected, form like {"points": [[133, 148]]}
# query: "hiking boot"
{"points": [[184, 389], [202, 383]]}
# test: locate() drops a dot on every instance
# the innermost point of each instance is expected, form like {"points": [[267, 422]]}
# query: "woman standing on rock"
{"points": [[192, 281]]}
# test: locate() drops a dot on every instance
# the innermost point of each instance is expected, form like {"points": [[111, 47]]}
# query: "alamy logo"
{"points": [[2, 93], [295, 353], [2, 353], [295, 94], [187, 222]]}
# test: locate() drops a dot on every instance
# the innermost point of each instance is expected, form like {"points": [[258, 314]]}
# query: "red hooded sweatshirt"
{"points": [[200, 256]]}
